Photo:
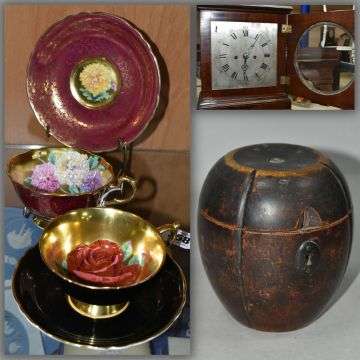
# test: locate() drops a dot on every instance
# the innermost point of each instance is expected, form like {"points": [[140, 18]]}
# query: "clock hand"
{"points": [[245, 66], [246, 79], [256, 39]]}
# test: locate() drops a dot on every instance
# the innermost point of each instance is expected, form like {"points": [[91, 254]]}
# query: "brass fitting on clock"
{"points": [[286, 29]]}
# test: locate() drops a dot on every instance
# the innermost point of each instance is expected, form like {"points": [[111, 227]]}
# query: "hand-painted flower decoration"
{"points": [[91, 182], [104, 262], [96, 78], [71, 168], [69, 172], [43, 177]]}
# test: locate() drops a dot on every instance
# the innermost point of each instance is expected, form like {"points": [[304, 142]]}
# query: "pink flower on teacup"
{"points": [[43, 177]]}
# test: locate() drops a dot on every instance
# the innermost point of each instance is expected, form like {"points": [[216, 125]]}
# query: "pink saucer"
{"points": [[93, 81]]}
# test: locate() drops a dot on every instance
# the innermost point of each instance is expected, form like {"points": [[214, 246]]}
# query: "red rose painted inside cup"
{"points": [[104, 262], [104, 248]]}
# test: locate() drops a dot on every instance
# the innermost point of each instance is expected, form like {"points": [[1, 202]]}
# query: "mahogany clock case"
{"points": [[274, 97], [275, 230], [290, 79]]}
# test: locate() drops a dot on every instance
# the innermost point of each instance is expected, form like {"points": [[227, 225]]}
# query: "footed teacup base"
{"points": [[42, 223], [97, 311]]}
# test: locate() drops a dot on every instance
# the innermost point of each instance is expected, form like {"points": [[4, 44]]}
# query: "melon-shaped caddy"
{"points": [[275, 231]]}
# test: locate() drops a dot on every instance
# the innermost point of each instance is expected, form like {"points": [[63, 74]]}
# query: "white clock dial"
{"points": [[243, 54]]}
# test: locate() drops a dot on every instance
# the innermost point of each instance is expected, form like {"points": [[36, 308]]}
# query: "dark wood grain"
{"points": [[248, 8], [220, 97], [226, 101], [300, 23]]}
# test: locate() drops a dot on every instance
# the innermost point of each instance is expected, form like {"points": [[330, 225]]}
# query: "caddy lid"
{"points": [[274, 187]]}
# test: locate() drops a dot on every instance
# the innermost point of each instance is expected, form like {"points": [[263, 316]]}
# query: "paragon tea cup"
{"points": [[140, 241], [52, 181]]}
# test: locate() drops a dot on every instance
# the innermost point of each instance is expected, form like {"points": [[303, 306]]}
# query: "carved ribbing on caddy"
{"points": [[275, 240]]}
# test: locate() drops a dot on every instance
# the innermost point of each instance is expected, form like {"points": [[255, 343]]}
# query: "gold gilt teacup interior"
{"points": [[141, 241]]}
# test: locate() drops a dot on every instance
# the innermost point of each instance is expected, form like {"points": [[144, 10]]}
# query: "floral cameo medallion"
{"points": [[94, 82]]}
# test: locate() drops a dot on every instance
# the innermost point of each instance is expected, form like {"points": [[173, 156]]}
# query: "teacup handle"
{"points": [[169, 227], [114, 188]]}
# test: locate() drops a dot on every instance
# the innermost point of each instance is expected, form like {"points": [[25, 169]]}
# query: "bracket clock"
{"points": [[253, 57]]}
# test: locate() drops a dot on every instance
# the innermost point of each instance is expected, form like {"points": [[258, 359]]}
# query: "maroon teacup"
{"points": [[52, 181]]}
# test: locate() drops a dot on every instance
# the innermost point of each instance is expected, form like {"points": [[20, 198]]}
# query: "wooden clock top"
{"points": [[248, 8]]}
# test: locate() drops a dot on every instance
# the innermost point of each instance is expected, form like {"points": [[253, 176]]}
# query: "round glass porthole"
{"points": [[325, 58]]}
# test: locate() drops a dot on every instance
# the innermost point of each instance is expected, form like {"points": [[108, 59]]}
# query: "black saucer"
{"points": [[154, 307]]}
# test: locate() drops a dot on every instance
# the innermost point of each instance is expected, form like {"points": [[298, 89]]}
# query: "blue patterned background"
{"points": [[21, 338]]}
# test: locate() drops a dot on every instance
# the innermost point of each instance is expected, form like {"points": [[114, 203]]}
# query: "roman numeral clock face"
{"points": [[243, 55]]}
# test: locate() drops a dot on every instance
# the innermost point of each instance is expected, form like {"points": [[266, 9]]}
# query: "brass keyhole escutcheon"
{"points": [[308, 256], [308, 262]]}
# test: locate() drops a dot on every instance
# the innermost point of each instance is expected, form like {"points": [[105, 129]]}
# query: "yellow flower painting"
{"points": [[96, 78]]}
